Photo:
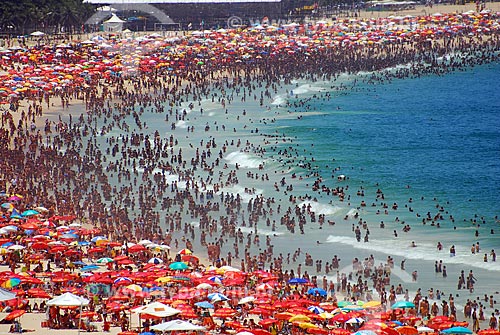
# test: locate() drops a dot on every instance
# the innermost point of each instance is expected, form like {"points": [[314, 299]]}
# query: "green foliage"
{"points": [[24, 15]]}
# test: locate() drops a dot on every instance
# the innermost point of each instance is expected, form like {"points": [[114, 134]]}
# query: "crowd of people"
{"points": [[100, 163]]}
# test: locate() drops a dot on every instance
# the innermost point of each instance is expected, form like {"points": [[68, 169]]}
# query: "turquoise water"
{"points": [[434, 139]]}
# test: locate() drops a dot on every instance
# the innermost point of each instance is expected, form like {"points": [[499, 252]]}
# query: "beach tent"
{"points": [[69, 300], [176, 325], [113, 24], [156, 309], [6, 295]]}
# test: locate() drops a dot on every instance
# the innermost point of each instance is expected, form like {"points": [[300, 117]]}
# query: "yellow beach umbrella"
{"points": [[299, 318], [307, 325], [163, 280], [371, 304], [325, 315]]}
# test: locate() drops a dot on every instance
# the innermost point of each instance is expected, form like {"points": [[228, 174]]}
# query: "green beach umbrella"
{"points": [[403, 304], [178, 266], [104, 260]]}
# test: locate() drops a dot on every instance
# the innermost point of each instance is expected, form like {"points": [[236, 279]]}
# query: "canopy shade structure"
{"points": [[68, 300], [176, 325]]}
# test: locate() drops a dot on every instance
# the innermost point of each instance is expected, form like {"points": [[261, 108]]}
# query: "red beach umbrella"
{"points": [[15, 314]]}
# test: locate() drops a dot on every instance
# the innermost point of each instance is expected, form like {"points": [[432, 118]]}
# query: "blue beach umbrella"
{"points": [[215, 279], [204, 304], [217, 297], [317, 291], [316, 309], [298, 281], [30, 212], [90, 267]]}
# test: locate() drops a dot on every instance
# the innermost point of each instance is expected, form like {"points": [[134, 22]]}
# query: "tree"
{"points": [[27, 15]]}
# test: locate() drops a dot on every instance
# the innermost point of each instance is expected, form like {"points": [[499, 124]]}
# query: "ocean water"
{"points": [[435, 140]]}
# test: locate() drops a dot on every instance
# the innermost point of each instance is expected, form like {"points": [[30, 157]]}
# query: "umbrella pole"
{"points": [[79, 319]]}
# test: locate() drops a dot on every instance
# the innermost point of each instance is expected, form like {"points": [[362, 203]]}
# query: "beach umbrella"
{"points": [[134, 287], [317, 291], [204, 304], [104, 260], [306, 325], [178, 266], [185, 252], [137, 248], [14, 314], [11, 282], [68, 300], [224, 313], [38, 293], [6, 295], [246, 300], [315, 309], [217, 297], [156, 309], [372, 304], [299, 318], [298, 281], [96, 250], [317, 331], [122, 281], [155, 260], [204, 286], [215, 279], [90, 267], [16, 247], [365, 332], [326, 315], [29, 212], [87, 314], [457, 330], [403, 304], [176, 325], [29, 226], [342, 317], [407, 330], [355, 320], [488, 332], [424, 329]]}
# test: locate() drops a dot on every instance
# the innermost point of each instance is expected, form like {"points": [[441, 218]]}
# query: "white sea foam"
{"points": [[278, 100], [302, 89], [424, 251], [172, 178], [244, 160], [240, 190], [260, 231], [320, 208], [181, 124]]}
